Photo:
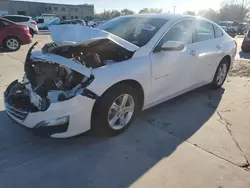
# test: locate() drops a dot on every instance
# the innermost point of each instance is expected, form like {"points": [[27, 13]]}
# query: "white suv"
{"points": [[24, 20]]}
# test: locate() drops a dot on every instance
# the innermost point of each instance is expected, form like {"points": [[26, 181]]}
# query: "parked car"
{"points": [[229, 24], [243, 28], [74, 22], [12, 35], [45, 20], [24, 20], [245, 46], [101, 78], [231, 32]]}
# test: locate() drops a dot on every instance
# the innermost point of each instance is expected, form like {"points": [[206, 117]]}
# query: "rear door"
{"points": [[208, 51]]}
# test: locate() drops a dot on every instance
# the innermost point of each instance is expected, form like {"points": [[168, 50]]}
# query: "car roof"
{"points": [[165, 16], [6, 20], [17, 16]]}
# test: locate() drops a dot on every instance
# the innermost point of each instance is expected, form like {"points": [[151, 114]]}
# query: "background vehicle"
{"points": [[243, 28], [229, 24], [24, 20], [74, 22], [44, 21], [245, 47], [230, 31], [100, 78], [12, 35]]}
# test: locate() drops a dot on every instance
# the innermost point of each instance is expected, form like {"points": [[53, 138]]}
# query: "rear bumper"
{"points": [[26, 39]]}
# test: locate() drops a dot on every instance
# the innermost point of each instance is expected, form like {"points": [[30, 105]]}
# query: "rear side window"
{"points": [[17, 18], [40, 20], [3, 23], [23, 19], [205, 31], [217, 32]]}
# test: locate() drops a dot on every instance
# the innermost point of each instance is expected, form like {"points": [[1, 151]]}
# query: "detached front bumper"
{"points": [[75, 111]]}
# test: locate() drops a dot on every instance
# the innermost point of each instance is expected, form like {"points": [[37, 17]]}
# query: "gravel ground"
{"points": [[241, 69]]}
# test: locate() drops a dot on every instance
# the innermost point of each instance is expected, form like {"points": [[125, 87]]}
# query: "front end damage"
{"points": [[53, 96]]}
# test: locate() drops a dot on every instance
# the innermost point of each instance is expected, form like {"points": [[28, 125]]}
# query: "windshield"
{"points": [[136, 30]]}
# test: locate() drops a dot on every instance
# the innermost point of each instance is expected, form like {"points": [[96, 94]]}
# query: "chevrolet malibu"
{"points": [[101, 78]]}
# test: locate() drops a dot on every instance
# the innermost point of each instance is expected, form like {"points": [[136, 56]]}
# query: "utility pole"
{"points": [[174, 8], [242, 9]]}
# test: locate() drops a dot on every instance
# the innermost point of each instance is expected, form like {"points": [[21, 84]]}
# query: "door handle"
{"points": [[218, 46], [193, 53]]}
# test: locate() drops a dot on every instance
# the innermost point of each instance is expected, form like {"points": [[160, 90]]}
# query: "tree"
{"points": [[233, 12], [126, 12], [243, 3], [107, 14], [151, 10], [209, 14], [191, 13]]}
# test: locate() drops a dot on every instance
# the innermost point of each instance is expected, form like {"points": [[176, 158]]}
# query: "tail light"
{"points": [[33, 22]]}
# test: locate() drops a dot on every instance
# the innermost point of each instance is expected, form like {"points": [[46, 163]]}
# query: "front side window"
{"points": [[137, 30], [181, 32], [205, 31]]}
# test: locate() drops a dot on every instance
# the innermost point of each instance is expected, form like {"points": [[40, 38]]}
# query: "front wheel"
{"points": [[221, 74], [12, 43], [115, 110]]}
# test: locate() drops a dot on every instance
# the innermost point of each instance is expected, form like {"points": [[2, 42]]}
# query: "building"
{"points": [[63, 11]]}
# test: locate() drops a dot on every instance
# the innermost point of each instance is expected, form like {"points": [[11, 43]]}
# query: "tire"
{"points": [[220, 74], [32, 32], [103, 110], [12, 43]]}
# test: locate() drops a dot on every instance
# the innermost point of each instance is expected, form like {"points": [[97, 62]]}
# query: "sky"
{"points": [[136, 5]]}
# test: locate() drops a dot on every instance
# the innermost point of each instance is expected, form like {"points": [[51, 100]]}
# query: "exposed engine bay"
{"points": [[47, 82]]}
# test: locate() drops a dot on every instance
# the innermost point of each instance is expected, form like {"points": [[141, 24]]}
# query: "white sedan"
{"points": [[100, 79]]}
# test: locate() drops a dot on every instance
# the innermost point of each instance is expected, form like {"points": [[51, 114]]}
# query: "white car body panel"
{"points": [[78, 33], [162, 75], [62, 61], [78, 109]]}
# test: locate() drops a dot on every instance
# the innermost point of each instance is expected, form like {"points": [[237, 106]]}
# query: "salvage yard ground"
{"points": [[198, 140]]}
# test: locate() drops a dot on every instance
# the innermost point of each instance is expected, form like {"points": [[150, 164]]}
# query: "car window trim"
{"points": [[159, 40], [196, 33], [214, 26]]}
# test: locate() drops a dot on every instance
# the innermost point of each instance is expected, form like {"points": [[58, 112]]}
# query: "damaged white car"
{"points": [[99, 79]]}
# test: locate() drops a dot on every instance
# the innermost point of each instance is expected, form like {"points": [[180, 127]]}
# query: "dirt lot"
{"points": [[200, 139]]}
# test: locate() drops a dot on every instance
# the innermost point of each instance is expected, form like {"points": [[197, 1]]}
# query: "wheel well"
{"points": [[136, 85], [11, 37], [228, 59]]}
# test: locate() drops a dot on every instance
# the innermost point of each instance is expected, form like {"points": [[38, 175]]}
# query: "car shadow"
{"points": [[4, 50], [103, 162], [244, 55]]}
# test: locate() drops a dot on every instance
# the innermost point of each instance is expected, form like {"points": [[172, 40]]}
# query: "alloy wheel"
{"points": [[222, 73], [121, 111], [12, 44]]}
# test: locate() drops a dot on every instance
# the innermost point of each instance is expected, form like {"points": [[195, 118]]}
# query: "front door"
{"points": [[172, 70]]}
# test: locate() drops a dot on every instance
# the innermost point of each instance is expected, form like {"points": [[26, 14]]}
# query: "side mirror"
{"points": [[172, 46]]}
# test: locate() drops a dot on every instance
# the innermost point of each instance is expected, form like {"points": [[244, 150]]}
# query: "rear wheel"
{"points": [[221, 74], [12, 43], [115, 110]]}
